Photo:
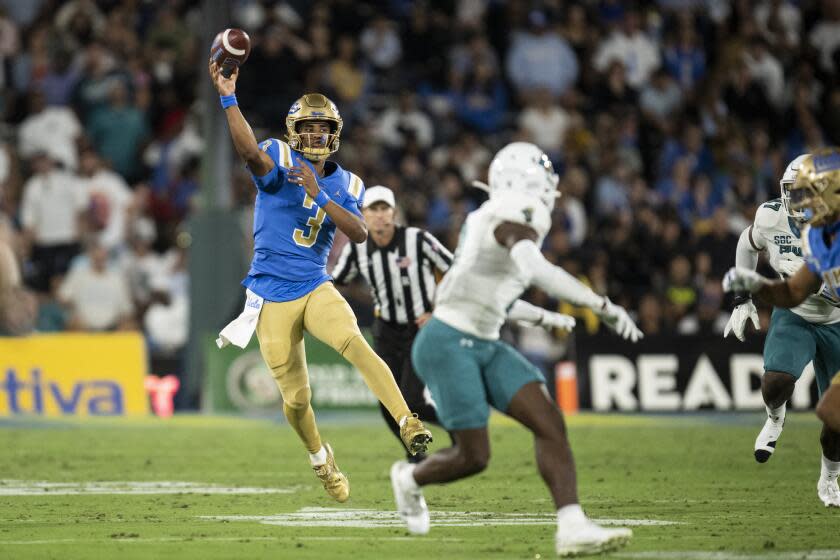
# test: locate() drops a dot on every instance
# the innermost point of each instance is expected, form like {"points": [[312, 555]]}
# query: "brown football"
{"points": [[230, 49]]}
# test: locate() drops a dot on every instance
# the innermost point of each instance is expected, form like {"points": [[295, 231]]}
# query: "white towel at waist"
{"points": [[239, 331]]}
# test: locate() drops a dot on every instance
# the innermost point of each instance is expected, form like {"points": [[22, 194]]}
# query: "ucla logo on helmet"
{"points": [[295, 108], [827, 162]]}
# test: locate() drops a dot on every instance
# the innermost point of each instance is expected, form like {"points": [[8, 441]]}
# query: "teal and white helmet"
{"points": [[788, 178], [524, 169]]}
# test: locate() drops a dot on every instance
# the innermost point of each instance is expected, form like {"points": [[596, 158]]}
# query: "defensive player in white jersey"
{"points": [[807, 333], [805, 323], [467, 368]]}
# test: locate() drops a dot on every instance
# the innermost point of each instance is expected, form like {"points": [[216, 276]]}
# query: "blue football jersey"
{"points": [[292, 235], [823, 258]]}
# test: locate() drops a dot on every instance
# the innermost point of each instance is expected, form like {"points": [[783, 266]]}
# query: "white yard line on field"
{"points": [[142, 540], [723, 555], [44, 488], [371, 519]]}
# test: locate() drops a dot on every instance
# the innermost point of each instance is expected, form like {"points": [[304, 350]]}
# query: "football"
{"points": [[230, 49]]}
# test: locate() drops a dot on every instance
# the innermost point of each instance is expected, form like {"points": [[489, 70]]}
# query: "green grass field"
{"points": [[696, 472]]}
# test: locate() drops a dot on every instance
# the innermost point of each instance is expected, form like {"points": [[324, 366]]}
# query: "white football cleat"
{"points": [[586, 537], [829, 492], [765, 443], [411, 505]]}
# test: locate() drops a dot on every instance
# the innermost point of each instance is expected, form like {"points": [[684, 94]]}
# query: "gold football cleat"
{"points": [[334, 481], [414, 434]]}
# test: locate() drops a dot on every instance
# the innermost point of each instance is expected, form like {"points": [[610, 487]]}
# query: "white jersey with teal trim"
{"points": [[779, 235], [484, 281]]}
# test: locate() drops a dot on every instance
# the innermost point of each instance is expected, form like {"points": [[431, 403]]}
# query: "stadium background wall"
{"points": [[239, 381], [60, 375], [674, 373], [660, 374]]}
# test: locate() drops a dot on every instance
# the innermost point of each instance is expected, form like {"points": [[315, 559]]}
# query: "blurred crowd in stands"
{"points": [[668, 122]]}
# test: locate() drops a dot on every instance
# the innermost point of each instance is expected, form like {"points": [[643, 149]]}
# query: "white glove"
{"points": [[617, 319], [550, 320], [738, 320], [790, 267], [743, 280]]}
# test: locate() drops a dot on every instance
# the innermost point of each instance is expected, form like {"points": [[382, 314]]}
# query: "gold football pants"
{"points": [[326, 315]]}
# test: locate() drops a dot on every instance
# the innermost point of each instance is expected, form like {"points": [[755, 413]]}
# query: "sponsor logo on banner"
{"points": [[73, 375], [251, 387], [665, 373]]}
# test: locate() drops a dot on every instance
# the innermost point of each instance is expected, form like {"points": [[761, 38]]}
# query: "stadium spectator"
{"points": [[405, 123], [684, 58], [109, 198], [50, 128], [545, 122], [540, 58], [166, 321], [765, 69], [708, 319], [629, 45], [660, 99], [51, 214], [118, 131], [345, 78], [18, 306], [96, 294], [779, 23], [825, 36], [381, 43]]}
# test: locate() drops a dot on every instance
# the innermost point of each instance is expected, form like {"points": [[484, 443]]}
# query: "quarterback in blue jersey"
{"points": [[816, 192], [301, 199]]}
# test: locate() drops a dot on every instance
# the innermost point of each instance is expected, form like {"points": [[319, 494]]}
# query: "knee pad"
{"points": [[297, 399]]}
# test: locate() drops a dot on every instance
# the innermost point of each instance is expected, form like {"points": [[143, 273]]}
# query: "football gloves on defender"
{"points": [[550, 320], [738, 321], [740, 279], [617, 319]]}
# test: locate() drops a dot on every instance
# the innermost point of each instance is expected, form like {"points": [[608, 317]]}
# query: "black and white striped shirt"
{"points": [[401, 275]]}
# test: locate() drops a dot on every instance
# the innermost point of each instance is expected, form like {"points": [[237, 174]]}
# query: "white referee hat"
{"points": [[379, 194]]}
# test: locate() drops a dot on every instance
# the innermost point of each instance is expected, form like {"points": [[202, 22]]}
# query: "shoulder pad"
{"points": [[523, 210], [279, 151], [355, 186], [769, 214]]}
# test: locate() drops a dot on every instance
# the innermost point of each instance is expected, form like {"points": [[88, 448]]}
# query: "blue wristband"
{"points": [[322, 199], [228, 100]]}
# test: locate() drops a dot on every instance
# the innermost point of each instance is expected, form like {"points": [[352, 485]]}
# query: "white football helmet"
{"points": [[787, 181], [523, 168]]}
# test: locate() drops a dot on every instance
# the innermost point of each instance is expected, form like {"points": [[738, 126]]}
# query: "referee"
{"points": [[399, 265]]}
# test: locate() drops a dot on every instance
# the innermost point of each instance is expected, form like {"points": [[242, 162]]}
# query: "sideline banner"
{"points": [[238, 380], [674, 373], [57, 375]]}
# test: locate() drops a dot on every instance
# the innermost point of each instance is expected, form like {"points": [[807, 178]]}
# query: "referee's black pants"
{"points": [[392, 342]]}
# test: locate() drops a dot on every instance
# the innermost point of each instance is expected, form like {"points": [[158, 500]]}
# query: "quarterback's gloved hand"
{"points": [[743, 280], [738, 321], [617, 319]]}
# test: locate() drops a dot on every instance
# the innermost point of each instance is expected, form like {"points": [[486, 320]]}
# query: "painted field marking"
{"points": [[141, 540], [371, 519], [44, 488], [723, 555]]}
